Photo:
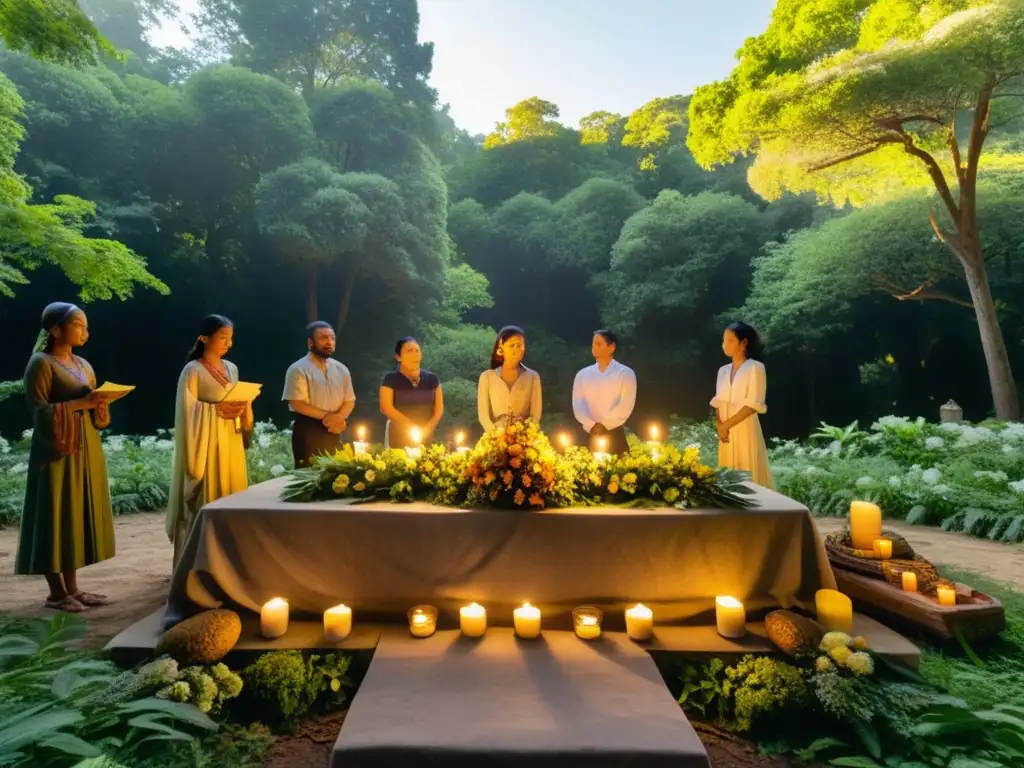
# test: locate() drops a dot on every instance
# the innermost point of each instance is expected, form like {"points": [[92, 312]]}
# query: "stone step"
{"points": [[498, 701]]}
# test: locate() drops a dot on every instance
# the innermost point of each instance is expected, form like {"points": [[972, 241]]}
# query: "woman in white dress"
{"points": [[209, 445], [739, 400], [508, 386]]}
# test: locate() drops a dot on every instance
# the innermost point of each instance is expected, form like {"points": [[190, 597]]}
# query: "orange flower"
{"points": [[515, 450], [520, 497], [507, 477], [536, 500], [515, 462], [489, 478], [527, 481]]}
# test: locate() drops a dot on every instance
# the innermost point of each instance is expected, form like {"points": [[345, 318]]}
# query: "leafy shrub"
{"points": [[280, 687]]}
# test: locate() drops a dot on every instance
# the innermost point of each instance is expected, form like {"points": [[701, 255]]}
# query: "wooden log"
{"points": [[976, 615]]}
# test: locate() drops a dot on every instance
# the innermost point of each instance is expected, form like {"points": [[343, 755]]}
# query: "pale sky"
{"points": [[583, 55]]}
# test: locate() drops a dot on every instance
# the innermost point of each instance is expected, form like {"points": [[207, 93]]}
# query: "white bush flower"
{"points": [[811, 470], [164, 445], [835, 447], [5, 447], [940, 490], [863, 482], [277, 470], [261, 463], [1017, 486], [931, 476], [971, 436], [800, 451], [934, 443], [895, 482], [264, 440], [996, 477], [1012, 433], [18, 469], [27, 434]]}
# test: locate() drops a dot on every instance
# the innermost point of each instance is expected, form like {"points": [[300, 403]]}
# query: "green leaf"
{"points": [[34, 729], [858, 761], [72, 745], [868, 736], [184, 712]]}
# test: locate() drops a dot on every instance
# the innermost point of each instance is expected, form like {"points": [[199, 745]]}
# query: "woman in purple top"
{"points": [[410, 398]]}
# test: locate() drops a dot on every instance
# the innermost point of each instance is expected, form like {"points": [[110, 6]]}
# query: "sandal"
{"points": [[68, 604], [89, 599]]}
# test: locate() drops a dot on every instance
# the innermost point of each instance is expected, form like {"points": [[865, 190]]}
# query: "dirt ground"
{"points": [[137, 580]]}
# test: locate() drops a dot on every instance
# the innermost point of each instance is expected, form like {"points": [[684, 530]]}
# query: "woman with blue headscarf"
{"points": [[67, 522]]}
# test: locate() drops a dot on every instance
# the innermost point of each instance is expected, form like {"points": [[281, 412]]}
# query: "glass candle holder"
{"points": [[422, 620], [586, 620]]}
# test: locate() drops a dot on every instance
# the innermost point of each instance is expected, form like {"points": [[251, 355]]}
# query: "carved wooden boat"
{"points": [[976, 616]]}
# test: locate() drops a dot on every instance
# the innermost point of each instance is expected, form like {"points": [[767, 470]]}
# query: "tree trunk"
{"points": [[312, 309], [346, 300], [1000, 375]]}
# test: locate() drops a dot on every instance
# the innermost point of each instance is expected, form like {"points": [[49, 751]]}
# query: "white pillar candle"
{"points": [[337, 623], [473, 620], [730, 617], [527, 621], [274, 618], [946, 594], [360, 446], [835, 610], [422, 623], [639, 622], [865, 524]]}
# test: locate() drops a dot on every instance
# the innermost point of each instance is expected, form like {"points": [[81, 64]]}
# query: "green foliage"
{"points": [[529, 119], [54, 30], [961, 476], [281, 687]]}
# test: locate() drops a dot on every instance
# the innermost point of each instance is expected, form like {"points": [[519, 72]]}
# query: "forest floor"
{"points": [[137, 580]]}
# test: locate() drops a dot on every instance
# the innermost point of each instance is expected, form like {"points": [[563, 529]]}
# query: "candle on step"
{"points": [[655, 435], [274, 618], [527, 621], [422, 621], [865, 524], [946, 594], [360, 445], [473, 620], [883, 548], [601, 455], [909, 579], [587, 622], [460, 438], [835, 610], [337, 623], [415, 450], [730, 617], [639, 622]]}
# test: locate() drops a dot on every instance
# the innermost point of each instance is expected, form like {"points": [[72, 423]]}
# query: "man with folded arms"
{"points": [[319, 391], [603, 396]]}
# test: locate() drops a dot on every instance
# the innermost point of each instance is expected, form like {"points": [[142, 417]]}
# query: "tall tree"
{"points": [[529, 119], [53, 30], [854, 99], [318, 43]]}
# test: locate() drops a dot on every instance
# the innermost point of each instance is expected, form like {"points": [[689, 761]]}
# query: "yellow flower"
{"points": [[686, 482], [613, 487], [691, 455], [379, 465], [613, 479], [340, 484], [671, 495], [359, 487], [860, 663], [834, 640], [536, 469], [370, 476], [840, 654], [629, 478], [520, 497], [823, 664], [860, 643]]}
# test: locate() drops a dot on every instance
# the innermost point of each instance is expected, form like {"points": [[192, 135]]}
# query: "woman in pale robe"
{"points": [[739, 400], [209, 446]]}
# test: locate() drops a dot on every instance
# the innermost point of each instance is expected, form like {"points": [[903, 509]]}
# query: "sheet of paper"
{"points": [[113, 391], [243, 391]]}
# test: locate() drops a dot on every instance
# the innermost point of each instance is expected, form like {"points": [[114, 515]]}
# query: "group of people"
{"points": [[67, 521]]}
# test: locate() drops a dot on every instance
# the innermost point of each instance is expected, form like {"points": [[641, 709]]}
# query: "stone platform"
{"points": [[138, 641], [554, 702]]}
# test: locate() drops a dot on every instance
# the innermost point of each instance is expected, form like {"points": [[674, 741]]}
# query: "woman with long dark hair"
{"points": [[209, 445], [508, 388], [66, 523], [410, 398], [739, 400]]}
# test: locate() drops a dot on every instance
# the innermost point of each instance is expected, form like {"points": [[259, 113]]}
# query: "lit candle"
{"points": [[422, 622], [639, 622], [730, 617], [883, 549], [361, 433], [601, 455], [909, 581], [655, 433], [473, 620], [460, 438], [835, 610], [337, 623], [360, 445], [415, 451], [527, 621], [587, 622], [274, 618], [865, 524], [946, 594]]}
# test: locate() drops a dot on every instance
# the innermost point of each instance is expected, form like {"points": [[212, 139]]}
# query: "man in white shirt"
{"points": [[603, 395], [319, 391]]}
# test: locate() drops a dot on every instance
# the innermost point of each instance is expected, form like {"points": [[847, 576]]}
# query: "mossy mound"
{"points": [[792, 633], [203, 638]]}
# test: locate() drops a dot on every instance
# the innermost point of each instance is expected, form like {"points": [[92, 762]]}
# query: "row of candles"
{"points": [[360, 444], [866, 536]]}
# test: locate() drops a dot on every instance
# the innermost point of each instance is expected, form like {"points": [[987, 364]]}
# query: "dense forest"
{"points": [[294, 163]]}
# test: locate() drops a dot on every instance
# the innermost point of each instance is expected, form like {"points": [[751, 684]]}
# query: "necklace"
{"points": [[77, 372]]}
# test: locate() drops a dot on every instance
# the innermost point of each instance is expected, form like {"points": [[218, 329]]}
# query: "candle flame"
{"points": [[460, 437], [361, 433], [602, 443], [728, 602], [563, 438], [416, 435], [655, 432], [640, 610], [473, 610], [277, 602]]}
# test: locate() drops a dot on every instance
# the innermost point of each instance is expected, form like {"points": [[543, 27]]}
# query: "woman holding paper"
{"points": [[67, 522], [210, 425]]}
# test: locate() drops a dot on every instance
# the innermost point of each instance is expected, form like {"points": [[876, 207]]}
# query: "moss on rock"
{"points": [[793, 633], [203, 638]]}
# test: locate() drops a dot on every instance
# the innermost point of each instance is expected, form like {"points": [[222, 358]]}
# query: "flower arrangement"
{"points": [[515, 467]]}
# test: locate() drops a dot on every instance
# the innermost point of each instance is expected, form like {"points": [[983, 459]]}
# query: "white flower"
{"points": [[148, 441], [835, 447], [27, 434], [996, 477], [931, 476], [18, 469], [277, 470], [953, 426], [971, 436], [261, 463], [1017, 486], [264, 441], [164, 445], [940, 489], [895, 482], [1009, 449], [5, 447], [1012, 433], [865, 481], [114, 443], [811, 470], [800, 451], [890, 421], [934, 443]]}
